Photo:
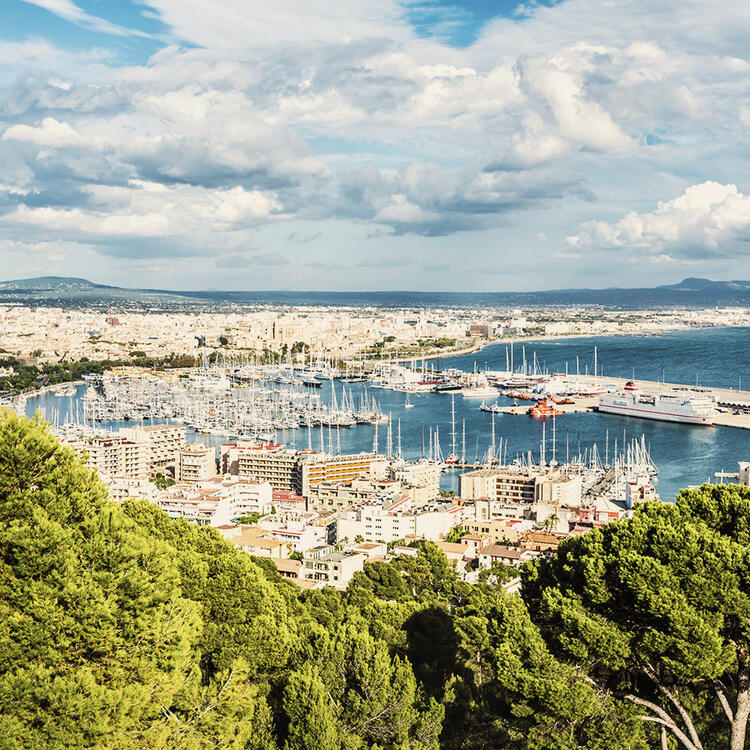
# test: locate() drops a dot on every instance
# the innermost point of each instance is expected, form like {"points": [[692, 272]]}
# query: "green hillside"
{"points": [[120, 628]]}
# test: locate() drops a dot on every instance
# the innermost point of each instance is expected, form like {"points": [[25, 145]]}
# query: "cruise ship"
{"points": [[687, 407]]}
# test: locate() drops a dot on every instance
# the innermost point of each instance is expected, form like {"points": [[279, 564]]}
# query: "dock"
{"points": [[728, 399]]}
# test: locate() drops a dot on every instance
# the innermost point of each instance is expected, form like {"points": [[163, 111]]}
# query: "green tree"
{"points": [[512, 692], [656, 609], [162, 481], [311, 713], [455, 534], [95, 637], [383, 580]]}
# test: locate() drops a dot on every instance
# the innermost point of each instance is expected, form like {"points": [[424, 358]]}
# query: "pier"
{"points": [[727, 399]]}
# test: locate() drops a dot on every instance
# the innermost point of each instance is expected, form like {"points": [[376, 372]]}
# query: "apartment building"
{"points": [[329, 495], [202, 505], [521, 486], [316, 468], [216, 501], [115, 456], [391, 521], [299, 535], [421, 478], [293, 471], [267, 462], [195, 463], [164, 441], [323, 565]]}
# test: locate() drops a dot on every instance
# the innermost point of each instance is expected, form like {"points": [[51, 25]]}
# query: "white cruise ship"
{"points": [[687, 407]]}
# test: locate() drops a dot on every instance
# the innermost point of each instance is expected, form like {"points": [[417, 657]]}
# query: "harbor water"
{"points": [[685, 455]]}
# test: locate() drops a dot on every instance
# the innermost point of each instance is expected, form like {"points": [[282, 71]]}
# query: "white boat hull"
{"points": [[645, 413]]}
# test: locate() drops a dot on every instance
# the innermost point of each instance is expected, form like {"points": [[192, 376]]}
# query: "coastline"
{"points": [[479, 346], [48, 388]]}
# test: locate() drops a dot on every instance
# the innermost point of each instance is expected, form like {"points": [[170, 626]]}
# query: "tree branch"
{"points": [[684, 715], [724, 702], [663, 718]]}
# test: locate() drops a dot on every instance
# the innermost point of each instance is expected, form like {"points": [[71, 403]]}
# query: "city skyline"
{"points": [[460, 146]]}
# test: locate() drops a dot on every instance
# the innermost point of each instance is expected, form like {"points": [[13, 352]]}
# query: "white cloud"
{"points": [[707, 219], [71, 12], [50, 133], [358, 121]]}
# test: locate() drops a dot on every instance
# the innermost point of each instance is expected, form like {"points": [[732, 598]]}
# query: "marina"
{"points": [[684, 454]]}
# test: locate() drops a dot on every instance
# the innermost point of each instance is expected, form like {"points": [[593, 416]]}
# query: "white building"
{"points": [[195, 463], [115, 456], [164, 441], [323, 565], [391, 521]]}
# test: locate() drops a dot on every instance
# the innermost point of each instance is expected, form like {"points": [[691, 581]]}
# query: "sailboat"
{"points": [[453, 457], [408, 404]]}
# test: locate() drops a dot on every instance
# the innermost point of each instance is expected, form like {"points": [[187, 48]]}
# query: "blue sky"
{"points": [[381, 145]]}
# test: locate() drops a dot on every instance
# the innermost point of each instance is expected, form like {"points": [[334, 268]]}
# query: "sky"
{"points": [[375, 144]]}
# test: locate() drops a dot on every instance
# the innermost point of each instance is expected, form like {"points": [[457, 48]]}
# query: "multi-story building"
{"points": [[391, 521], [421, 478], [298, 534], [329, 495], [115, 456], [216, 501], [267, 462], [203, 505], [322, 564], [320, 467], [295, 471], [521, 486], [164, 441], [195, 463]]}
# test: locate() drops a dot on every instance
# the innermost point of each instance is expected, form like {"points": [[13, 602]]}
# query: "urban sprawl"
{"points": [[319, 514]]}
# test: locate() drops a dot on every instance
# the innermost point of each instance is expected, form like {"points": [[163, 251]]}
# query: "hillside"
{"points": [[72, 291], [122, 628]]}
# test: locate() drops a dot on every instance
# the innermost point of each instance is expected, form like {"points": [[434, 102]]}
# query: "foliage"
{"points": [[30, 377], [455, 534], [162, 481], [120, 627], [657, 610]]}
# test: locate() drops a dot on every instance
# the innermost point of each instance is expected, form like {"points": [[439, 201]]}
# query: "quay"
{"points": [[728, 400]]}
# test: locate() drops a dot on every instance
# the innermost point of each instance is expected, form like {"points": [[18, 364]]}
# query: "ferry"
{"points": [[479, 391], [685, 407]]}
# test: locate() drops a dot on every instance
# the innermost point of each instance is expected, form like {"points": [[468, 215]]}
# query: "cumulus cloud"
{"points": [[708, 219], [367, 129], [425, 199]]}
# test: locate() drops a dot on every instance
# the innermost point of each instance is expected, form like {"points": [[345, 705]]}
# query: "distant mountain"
{"points": [[51, 283], [692, 292], [700, 285]]}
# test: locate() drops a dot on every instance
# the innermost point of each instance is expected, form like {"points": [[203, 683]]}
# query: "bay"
{"points": [[684, 454]]}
